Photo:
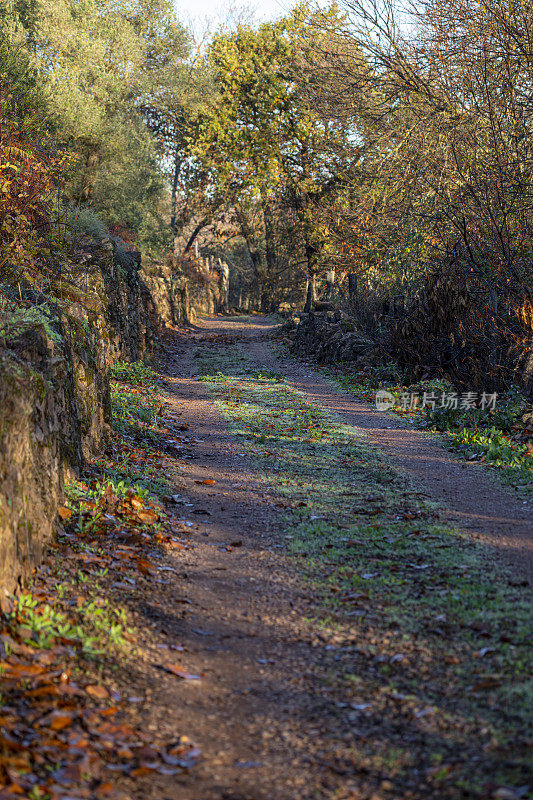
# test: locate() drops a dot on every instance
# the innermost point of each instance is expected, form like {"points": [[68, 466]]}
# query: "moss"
{"points": [[17, 320]]}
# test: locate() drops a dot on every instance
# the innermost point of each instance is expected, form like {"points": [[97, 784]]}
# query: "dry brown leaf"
{"points": [[99, 692], [143, 566], [148, 516], [60, 722], [138, 772], [20, 671], [487, 683]]}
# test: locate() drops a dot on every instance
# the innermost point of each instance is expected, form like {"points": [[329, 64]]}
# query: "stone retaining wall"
{"points": [[55, 410]]}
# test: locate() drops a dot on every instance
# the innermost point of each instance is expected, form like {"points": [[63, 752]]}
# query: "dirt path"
{"points": [[266, 727], [269, 721]]}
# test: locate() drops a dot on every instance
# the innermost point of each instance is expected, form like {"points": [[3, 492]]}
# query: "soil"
{"points": [[270, 727]]}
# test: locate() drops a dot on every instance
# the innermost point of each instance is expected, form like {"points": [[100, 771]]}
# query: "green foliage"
{"points": [[16, 320], [503, 418], [497, 450], [23, 101], [135, 371], [84, 220], [136, 408], [92, 67], [266, 152], [42, 625]]}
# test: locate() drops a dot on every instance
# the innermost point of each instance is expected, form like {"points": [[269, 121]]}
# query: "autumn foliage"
{"points": [[28, 180]]}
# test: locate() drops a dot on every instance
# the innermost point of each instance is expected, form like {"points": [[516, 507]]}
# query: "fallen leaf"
{"points": [[143, 566], [60, 721], [64, 512], [22, 670], [138, 772], [451, 660], [99, 692], [148, 516], [179, 672], [487, 683], [207, 482]]}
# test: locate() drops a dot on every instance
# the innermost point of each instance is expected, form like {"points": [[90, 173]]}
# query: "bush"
{"points": [[29, 165], [84, 221]]}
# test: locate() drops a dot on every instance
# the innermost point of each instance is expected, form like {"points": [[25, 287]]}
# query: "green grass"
{"points": [[137, 413], [433, 619], [135, 401], [93, 627]]}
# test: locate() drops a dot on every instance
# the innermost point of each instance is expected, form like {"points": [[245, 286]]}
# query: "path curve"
{"points": [[470, 494]]}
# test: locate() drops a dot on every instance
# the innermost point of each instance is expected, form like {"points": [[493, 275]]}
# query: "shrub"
{"points": [[84, 221]]}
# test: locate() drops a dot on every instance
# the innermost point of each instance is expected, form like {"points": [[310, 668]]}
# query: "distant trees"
{"points": [[391, 147], [265, 154], [447, 113], [441, 207]]}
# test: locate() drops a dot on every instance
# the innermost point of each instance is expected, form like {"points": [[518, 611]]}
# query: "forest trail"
{"points": [[316, 680]]}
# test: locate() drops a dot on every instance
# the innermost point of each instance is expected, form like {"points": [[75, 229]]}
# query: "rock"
{"points": [[331, 336], [527, 419]]}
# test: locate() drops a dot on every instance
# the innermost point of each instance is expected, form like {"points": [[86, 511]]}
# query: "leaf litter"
{"points": [[67, 726]]}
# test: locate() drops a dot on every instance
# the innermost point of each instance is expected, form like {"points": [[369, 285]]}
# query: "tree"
{"points": [[101, 62], [262, 145]]}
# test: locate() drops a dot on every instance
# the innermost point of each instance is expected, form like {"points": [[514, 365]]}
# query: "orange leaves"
{"points": [[143, 565], [98, 692], [207, 482], [27, 182], [64, 512], [21, 671], [147, 516], [60, 721]]}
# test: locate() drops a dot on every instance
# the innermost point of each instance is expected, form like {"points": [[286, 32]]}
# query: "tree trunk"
{"points": [[174, 195], [352, 290], [311, 255], [201, 225], [330, 283], [270, 243], [311, 294], [88, 178], [255, 255]]}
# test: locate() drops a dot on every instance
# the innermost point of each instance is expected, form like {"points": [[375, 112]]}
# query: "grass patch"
{"points": [[135, 401], [134, 458]]}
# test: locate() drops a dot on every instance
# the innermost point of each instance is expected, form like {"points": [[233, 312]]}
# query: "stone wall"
{"points": [[55, 410], [205, 298]]}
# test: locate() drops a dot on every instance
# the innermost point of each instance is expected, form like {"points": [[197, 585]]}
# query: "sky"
{"points": [[205, 14]]}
